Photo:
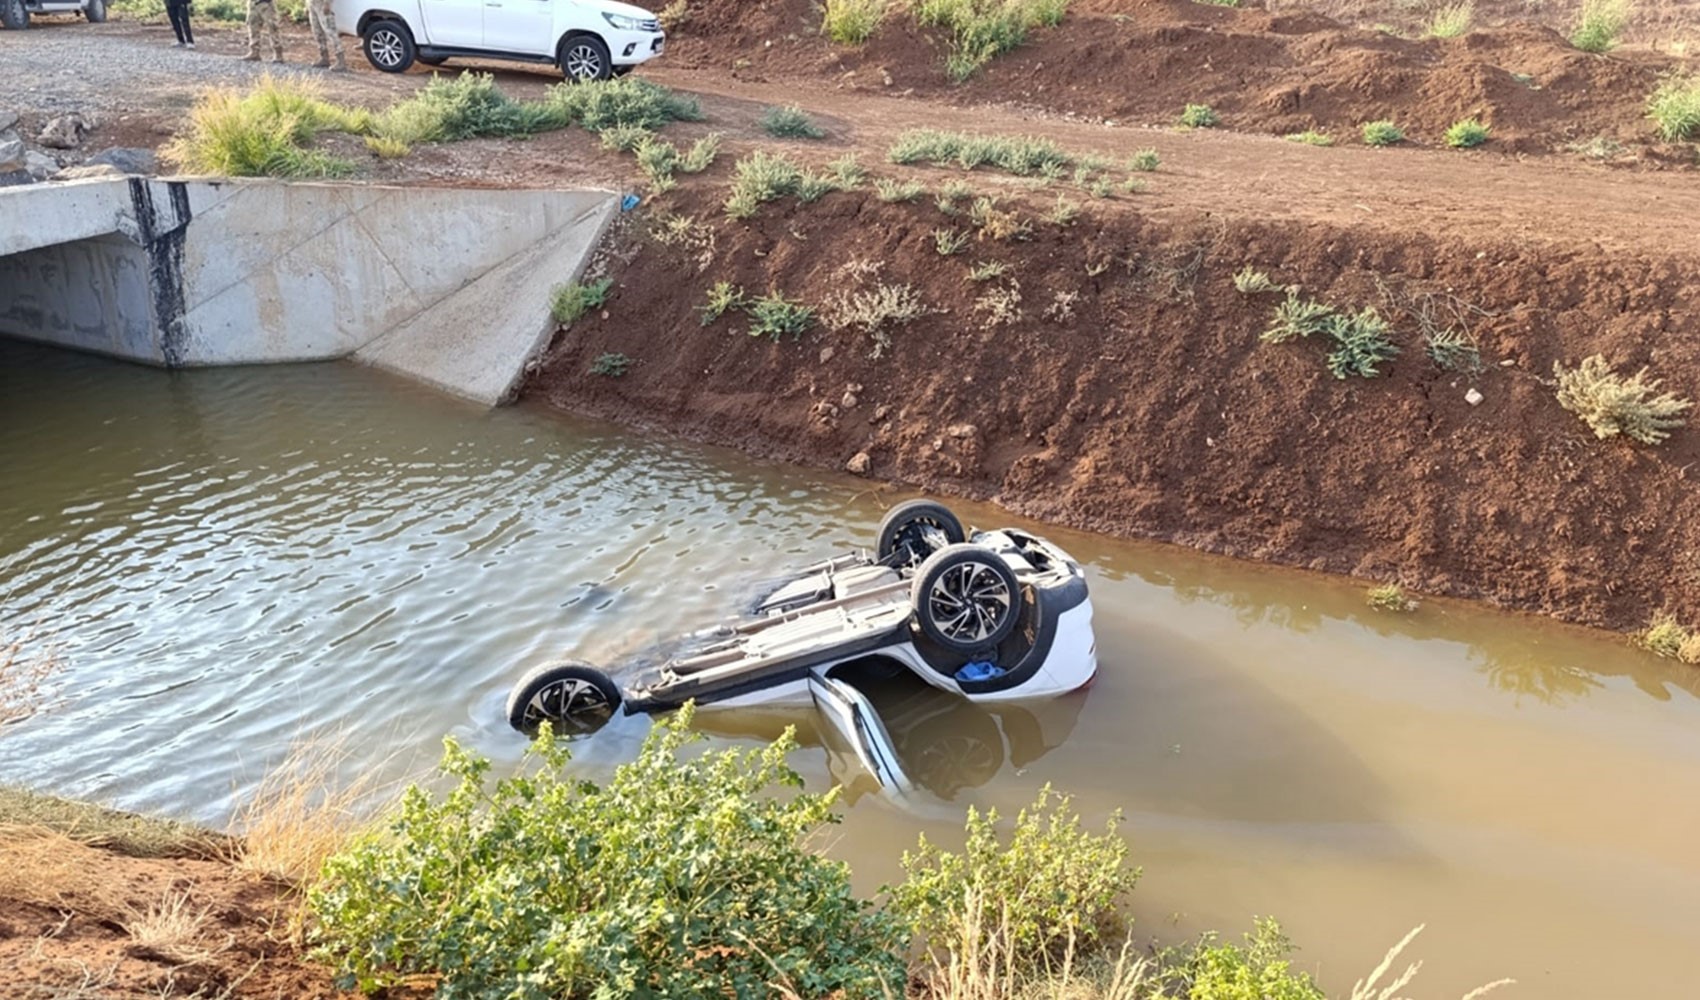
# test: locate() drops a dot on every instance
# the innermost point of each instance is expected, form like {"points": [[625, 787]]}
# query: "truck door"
{"points": [[454, 23], [852, 718], [524, 27]]}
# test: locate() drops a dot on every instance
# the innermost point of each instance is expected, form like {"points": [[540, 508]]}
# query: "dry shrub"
{"points": [[51, 869], [174, 929], [1613, 405], [302, 813], [875, 311]]}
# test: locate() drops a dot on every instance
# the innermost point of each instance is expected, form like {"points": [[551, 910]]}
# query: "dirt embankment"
{"points": [[1127, 390], [1276, 72]]}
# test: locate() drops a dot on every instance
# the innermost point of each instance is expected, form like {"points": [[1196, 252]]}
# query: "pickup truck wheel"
{"points": [[574, 698], [389, 46], [966, 598], [585, 57], [95, 11], [914, 529], [13, 15]]}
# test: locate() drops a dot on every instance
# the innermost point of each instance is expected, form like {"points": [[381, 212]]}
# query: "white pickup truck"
{"points": [[587, 39], [15, 14]]}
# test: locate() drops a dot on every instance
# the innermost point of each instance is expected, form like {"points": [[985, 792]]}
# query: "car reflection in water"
{"points": [[943, 742]]}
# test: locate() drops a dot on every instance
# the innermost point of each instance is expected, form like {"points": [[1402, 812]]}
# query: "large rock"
{"points": [[126, 160], [63, 132], [7, 119], [11, 156], [40, 165]]}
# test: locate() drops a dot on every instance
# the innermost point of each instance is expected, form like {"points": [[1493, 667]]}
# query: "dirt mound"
{"points": [[1261, 71], [1121, 386]]}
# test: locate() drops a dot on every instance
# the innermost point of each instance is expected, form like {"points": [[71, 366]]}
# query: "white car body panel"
{"points": [[531, 29]]}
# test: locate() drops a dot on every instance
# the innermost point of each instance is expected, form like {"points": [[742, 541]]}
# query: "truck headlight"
{"points": [[622, 22]]}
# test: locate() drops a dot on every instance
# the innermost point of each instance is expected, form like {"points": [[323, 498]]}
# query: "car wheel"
{"points": [[13, 15], [966, 598], [585, 57], [575, 698], [95, 11], [914, 529], [389, 46]]}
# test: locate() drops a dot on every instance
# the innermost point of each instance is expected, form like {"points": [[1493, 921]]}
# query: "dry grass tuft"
{"points": [[110, 829], [51, 869], [172, 928], [302, 813], [1371, 988], [981, 964]]}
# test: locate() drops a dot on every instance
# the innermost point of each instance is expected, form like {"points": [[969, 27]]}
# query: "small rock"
{"points": [[962, 430], [858, 464], [63, 132], [1473, 397], [40, 165], [11, 156], [882, 411], [127, 160], [86, 171], [7, 119], [826, 354], [1508, 362], [849, 401], [938, 444]]}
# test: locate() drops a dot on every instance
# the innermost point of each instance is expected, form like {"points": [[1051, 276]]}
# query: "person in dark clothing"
{"points": [[178, 11]]}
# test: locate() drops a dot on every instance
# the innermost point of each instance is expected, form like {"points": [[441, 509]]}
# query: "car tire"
{"points": [[13, 15], [904, 529], [389, 46], [573, 697], [966, 599], [584, 57], [95, 11]]}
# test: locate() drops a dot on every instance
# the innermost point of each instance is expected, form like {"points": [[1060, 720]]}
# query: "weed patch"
{"points": [[1613, 405], [1382, 133], [875, 312], [987, 270], [1249, 281], [1020, 155], [996, 223], [773, 315], [1453, 351], [1143, 162], [1001, 304], [465, 106], [949, 242], [722, 297], [1599, 23], [1466, 134], [264, 132], [1312, 137], [610, 365], [1360, 342], [598, 105], [982, 30], [1675, 108], [790, 123], [1200, 116], [762, 177], [573, 299], [894, 192], [852, 22], [1390, 597], [1451, 20]]}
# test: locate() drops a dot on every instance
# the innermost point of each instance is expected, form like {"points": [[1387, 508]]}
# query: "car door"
{"points": [[453, 23], [525, 27], [852, 718]]}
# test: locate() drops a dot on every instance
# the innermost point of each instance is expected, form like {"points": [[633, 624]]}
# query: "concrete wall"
{"points": [[450, 286]]}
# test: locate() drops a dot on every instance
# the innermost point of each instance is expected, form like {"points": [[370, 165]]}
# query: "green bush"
{"points": [[610, 365], [1613, 405], [1020, 155], [1258, 970], [1053, 887], [790, 123], [466, 106], [1382, 133], [1311, 137], [982, 30], [722, 297], [894, 191], [1453, 351], [759, 178], [264, 132], [1675, 106], [1144, 161], [679, 878], [852, 22], [572, 300], [1599, 23], [1466, 134], [1361, 341], [773, 315], [1200, 116], [628, 100], [1451, 20], [1389, 597]]}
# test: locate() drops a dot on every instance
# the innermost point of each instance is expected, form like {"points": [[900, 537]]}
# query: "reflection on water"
{"points": [[231, 559]]}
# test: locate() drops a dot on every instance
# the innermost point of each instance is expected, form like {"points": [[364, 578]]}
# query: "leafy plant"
{"points": [[1675, 106], [1390, 597], [790, 123], [1451, 20], [1382, 133], [1362, 341], [1051, 884], [1667, 637], [1001, 304], [951, 193], [1311, 137], [1599, 23], [385, 148], [675, 15], [1064, 212], [846, 172], [759, 178], [874, 312], [680, 877], [1200, 116], [723, 296], [987, 270], [949, 242], [1101, 188], [625, 138], [264, 132], [1249, 281], [701, 155], [1258, 970], [1296, 317], [1453, 351], [1466, 134], [596, 105], [996, 223], [852, 22], [466, 106], [1020, 155], [773, 315], [889, 190], [1613, 405], [572, 300], [611, 365], [982, 30], [1144, 161]]}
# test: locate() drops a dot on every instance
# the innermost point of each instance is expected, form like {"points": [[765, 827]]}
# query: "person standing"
{"points": [[262, 15], [323, 22], [178, 12]]}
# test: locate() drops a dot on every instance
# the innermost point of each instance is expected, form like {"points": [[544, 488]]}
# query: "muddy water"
{"points": [[231, 560]]}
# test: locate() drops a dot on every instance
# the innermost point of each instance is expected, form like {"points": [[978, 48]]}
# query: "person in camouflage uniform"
{"points": [[323, 22], [262, 15]]}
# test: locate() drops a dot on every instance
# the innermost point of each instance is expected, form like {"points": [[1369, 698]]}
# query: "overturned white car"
{"points": [[995, 616]]}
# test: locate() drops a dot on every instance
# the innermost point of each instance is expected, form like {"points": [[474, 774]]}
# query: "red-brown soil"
{"points": [[1142, 61], [1154, 410], [69, 916]]}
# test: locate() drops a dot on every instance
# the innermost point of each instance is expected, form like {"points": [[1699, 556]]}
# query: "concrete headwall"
{"points": [[450, 286]]}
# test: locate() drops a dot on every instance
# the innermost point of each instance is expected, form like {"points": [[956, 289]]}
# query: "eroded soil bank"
{"points": [[1125, 389]]}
